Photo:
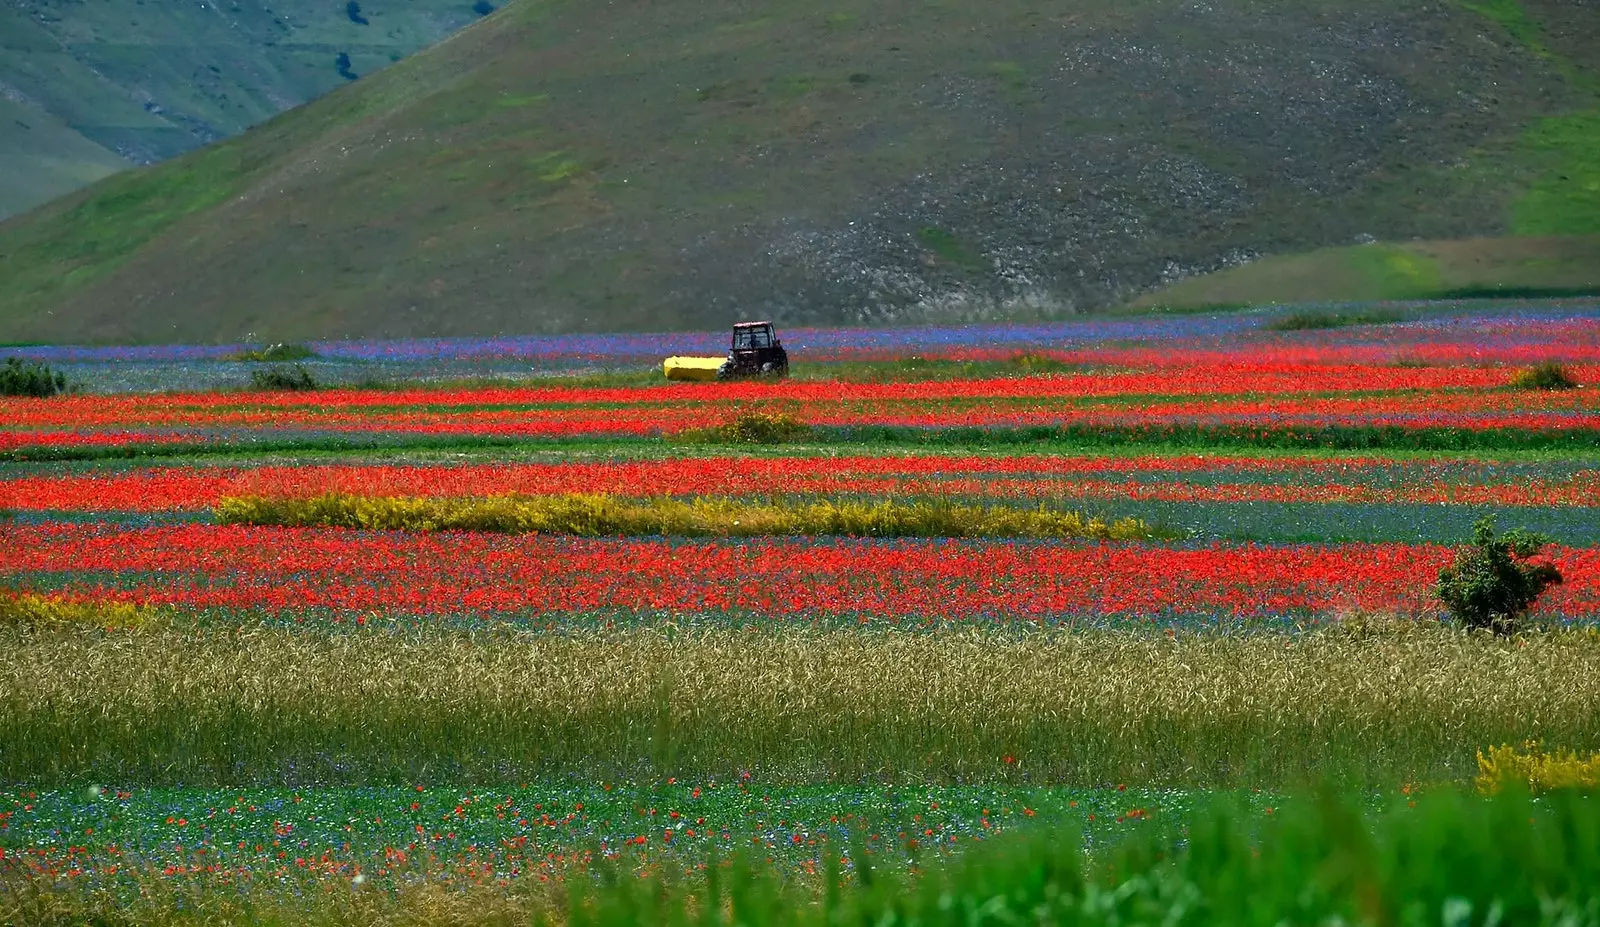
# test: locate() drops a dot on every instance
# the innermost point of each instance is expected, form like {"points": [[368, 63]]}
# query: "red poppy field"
{"points": [[172, 673]]}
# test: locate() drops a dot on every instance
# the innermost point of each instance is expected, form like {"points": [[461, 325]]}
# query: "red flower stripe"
{"points": [[1195, 380], [1209, 479], [1543, 411], [908, 581]]}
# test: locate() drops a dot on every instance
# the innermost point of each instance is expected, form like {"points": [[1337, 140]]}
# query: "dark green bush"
{"points": [[283, 377], [750, 428], [1549, 375], [1312, 320], [30, 378], [275, 353], [1492, 585]]}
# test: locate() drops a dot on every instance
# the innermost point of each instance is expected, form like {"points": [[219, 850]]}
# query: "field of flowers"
{"points": [[207, 702]]}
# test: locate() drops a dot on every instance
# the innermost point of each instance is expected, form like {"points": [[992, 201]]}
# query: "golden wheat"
{"points": [[1078, 708]]}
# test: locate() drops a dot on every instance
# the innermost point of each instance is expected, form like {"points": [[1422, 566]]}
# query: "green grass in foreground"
{"points": [[170, 704], [1453, 861], [1444, 858]]}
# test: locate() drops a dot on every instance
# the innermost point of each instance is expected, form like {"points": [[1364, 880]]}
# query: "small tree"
{"points": [[283, 377], [30, 379], [1546, 376], [1492, 584]]}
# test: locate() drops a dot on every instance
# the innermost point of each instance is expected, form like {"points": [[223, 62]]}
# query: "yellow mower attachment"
{"points": [[693, 369]]}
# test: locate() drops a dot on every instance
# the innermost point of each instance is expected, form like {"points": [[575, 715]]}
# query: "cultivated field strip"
{"points": [[1183, 478], [1068, 708], [319, 577]]}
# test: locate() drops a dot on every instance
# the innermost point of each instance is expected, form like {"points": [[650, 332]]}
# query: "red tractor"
{"points": [[756, 352]]}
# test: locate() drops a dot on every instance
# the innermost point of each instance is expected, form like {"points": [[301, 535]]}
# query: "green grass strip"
{"points": [[1045, 438], [1210, 437]]}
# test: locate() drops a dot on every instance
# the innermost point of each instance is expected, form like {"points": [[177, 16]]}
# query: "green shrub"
{"points": [[1536, 769], [1549, 375], [1491, 585], [38, 610], [283, 377], [1312, 320], [751, 428], [276, 353], [30, 378]]}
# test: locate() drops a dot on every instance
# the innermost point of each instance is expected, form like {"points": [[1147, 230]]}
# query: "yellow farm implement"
{"points": [[693, 369]]}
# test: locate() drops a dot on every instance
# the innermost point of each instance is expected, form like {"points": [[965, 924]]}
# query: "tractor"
{"points": [[755, 352]]}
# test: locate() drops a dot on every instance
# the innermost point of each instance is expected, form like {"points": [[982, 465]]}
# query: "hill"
{"points": [[1469, 268], [89, 88], [565, 166]]}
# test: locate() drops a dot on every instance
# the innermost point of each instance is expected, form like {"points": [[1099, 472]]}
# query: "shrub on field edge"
{"points": [[30, 378], [1547, 376], [1492, 585], [1534, 769], [273, 353], [283, 377], [1313, 320], [39, 610], [751, 428]]}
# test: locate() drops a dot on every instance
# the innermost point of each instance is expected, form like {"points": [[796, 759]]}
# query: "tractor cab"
{"points": [[755, 352]]}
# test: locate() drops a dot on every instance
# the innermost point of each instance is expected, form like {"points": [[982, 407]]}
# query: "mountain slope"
{"points": [[143, 82], [41, 157], [1509, 267], [589, 166]]}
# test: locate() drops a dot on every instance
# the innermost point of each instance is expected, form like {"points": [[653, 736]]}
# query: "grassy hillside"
{"points": [[571, 166], [1512, 266], [98, 86], [41, 156]]}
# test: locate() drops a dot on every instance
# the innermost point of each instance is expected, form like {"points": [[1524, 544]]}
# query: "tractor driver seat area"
{"points": [[753, 338]]}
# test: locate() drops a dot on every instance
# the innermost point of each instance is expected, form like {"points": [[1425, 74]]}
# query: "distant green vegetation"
{"points": [[1306, 320], [751, 428], [1497, 268], [275, 353], [283, 377], [1041, 439], [1562, 151], [1565, 199], [30, 378], [1510, 15], [949, 248], [1548, 376]]}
